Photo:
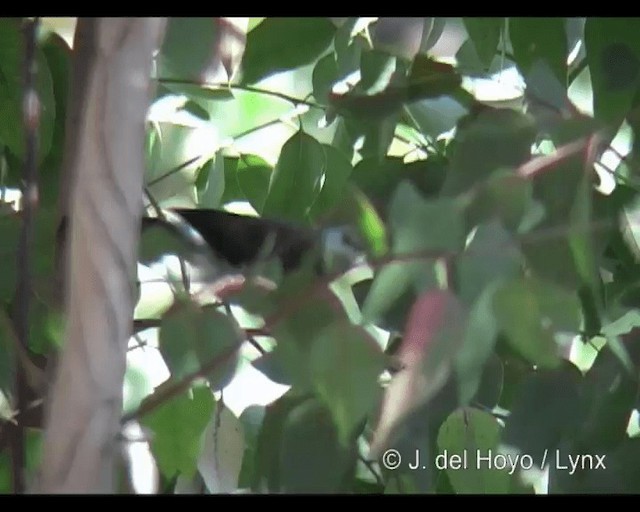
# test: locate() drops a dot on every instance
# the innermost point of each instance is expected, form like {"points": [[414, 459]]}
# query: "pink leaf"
{"points": [[433, 334]]}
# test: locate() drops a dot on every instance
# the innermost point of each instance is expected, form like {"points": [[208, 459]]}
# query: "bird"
{"points": [[216, 242], [237, 240]]}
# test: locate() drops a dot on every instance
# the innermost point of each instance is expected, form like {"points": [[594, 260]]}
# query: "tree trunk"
{"points": [[105, 205]]}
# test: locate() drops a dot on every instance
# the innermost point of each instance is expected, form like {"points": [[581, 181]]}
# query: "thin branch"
{"points": [[249, 333], [538, 165], [177, 388], [31, 121], [625, 180], [248, 88], [171, 172], [183, 266], [293, 304], [253, 129], [248, 337]]}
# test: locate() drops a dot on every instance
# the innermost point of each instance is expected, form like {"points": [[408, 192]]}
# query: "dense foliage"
{"points": [[493, 330]]}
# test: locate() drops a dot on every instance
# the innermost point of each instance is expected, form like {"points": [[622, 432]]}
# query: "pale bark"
{"points": [[105, 205]]}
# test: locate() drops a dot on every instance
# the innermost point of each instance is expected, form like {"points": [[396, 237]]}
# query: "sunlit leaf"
{"points": [[210, 182], [436, 116], [279, 44], [295, 182], [177, 428], [337, 172], [193, 338]]}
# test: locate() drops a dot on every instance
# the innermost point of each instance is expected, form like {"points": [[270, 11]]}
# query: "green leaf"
{"points": [[325, 74], [11, 93], [168, 153], [479, 341], [249, 119], [269, 442], [548, 407], [177, 428], [422, 225], [613, 56], [192, 337], [562, 247], [46, 332], [531, 313], [252, 420], [485, 35], [581, 242], [246, 178], [253, 175], [548, 99], [338, 170], [280, 44], [310, 435], [391, 285], [486, 141], [377, 177], [416, 225], [436, 116], [179, 60], [370, 226], [348, 48], [492, 255], [377, 70], [345, 365], [510, 198], [295, 182], [536, 39], [58, 56], [427, 79], [296, 332], [466, 434], [210, 182]]}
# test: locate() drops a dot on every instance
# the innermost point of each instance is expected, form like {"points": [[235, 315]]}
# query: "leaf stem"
{"points": [[240, 87]]}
